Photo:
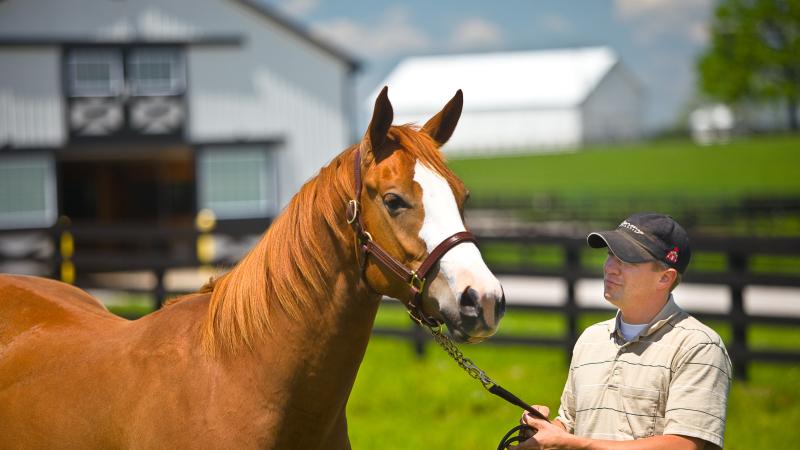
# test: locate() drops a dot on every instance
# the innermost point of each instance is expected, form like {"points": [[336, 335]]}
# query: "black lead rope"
{"points": [[524, 431], [499, 391]]}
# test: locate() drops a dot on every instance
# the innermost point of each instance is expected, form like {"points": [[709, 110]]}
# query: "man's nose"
{"points": [[611, 264]]}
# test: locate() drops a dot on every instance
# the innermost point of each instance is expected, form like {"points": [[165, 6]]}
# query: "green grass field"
{"points": [[402, 402], [755, 166]]}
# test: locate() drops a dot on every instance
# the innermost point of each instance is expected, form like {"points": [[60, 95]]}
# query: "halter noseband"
{"points": [[416, 279]]}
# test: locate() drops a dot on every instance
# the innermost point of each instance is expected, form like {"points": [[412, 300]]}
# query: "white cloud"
{"points": [[700, 33], [298, 8], [553, 23], [393, 34], [475, 33], [657, 19]]}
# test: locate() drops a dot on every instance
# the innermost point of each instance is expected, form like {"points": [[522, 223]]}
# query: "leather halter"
{"points": [[416, 279]]}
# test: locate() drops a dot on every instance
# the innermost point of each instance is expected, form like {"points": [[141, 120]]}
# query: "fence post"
{"points": [[204, 223], [571, 307], [737, 265], [159, 291], [64, 268], [55, 238], [418, 339]]}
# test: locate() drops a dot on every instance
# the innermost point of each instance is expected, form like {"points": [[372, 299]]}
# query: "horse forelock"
{"points": [[424, 149], [289, 267]]}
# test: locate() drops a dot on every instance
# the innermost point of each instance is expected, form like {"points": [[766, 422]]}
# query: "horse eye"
{"points": [[394, 203]]}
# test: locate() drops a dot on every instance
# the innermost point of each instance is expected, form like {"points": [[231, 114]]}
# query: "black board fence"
{"points": [[79, 251], [738, 271]]}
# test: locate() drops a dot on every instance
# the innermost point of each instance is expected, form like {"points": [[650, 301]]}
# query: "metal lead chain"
{"points": [[516, 434], [465, 363]]}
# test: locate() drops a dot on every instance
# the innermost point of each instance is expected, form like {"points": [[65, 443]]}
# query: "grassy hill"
{"points": [[763, 166]]}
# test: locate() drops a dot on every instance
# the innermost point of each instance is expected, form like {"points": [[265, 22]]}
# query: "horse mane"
{"points": [[288, 266]]}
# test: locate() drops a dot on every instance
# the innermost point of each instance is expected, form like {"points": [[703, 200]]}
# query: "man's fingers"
{"points": [[534, 422], [530, 444], [542, 409]]}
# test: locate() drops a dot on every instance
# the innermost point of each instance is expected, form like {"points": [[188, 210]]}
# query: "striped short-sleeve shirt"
{"points": [[673, 378]]}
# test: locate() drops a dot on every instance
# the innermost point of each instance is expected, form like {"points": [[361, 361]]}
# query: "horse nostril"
{"points": [[500, 306], [468, 302]]}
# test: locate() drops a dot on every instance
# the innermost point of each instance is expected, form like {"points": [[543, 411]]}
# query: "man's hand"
{"points": [[544, 410], [548, 435]]}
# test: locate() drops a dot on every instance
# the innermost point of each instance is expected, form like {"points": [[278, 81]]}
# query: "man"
{"points": [[653, 377]]}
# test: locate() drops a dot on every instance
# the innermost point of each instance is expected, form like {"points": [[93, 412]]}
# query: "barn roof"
{"points": [[500, 80], [299, 30], [166, 29]]}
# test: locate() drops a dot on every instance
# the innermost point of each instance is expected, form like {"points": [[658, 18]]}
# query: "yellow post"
{"points": [[66, 247], [205, 222], [67, 272]]}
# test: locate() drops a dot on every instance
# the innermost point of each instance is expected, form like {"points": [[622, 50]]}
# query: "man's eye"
{"points": [[394, 203]]}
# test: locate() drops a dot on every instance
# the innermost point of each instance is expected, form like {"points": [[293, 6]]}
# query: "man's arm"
{"points": [[553, 436]]}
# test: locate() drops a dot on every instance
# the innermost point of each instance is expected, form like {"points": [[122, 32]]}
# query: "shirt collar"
{"points": [[670, 310]]}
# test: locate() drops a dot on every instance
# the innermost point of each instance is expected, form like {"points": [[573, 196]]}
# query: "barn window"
{"points": [[95, 72], [237, 181], [156, 71], [27, 192]]}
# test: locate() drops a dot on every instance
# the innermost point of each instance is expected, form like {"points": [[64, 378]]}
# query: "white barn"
{"points": [[151, 110], [523, 101]]}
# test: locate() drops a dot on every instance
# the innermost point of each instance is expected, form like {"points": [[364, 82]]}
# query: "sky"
{"points": [[658, 40]]}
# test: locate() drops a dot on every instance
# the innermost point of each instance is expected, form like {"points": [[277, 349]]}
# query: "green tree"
{"points": [[754, 54]]}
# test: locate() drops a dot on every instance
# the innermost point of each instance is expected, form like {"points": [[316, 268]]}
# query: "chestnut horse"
{"points": [[266, 355]]}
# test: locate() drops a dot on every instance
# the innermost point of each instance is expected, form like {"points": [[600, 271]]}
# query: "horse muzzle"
{"points": [[475, 315]]}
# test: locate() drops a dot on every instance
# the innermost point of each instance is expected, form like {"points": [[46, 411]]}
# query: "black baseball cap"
{"points": [[646, 237]]}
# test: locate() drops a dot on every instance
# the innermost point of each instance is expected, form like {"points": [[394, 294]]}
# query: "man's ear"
{"points": [[668, 277]]}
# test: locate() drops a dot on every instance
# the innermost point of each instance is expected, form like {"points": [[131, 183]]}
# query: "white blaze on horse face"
{"points": [[463, 265]]}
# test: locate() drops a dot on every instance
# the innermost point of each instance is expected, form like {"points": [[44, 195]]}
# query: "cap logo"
{"points": [[630, 226], [672, 256]]}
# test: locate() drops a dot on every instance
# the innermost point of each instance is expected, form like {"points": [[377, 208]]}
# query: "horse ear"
{"points": [[441, 126], [382, 117]]}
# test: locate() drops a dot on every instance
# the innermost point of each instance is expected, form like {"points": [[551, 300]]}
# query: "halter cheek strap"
{"points": [[416, 279]]}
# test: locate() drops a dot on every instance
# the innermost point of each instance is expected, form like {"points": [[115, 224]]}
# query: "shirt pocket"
{"points": [[639, 408]]}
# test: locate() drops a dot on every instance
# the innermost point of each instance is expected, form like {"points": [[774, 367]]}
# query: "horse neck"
{"points": [[314, 360], [319, 313]]}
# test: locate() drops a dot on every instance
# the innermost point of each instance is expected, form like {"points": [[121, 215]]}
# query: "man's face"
{"points": [[624, 283]]}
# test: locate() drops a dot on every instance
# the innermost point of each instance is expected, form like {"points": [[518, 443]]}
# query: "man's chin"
{"points": [[610, 298]]}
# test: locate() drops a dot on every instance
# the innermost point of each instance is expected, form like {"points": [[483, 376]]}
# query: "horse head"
{"points": [[411, 202]]}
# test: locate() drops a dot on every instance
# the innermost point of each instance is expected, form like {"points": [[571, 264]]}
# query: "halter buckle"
{"points": [[352, 211], [416, 282]]}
